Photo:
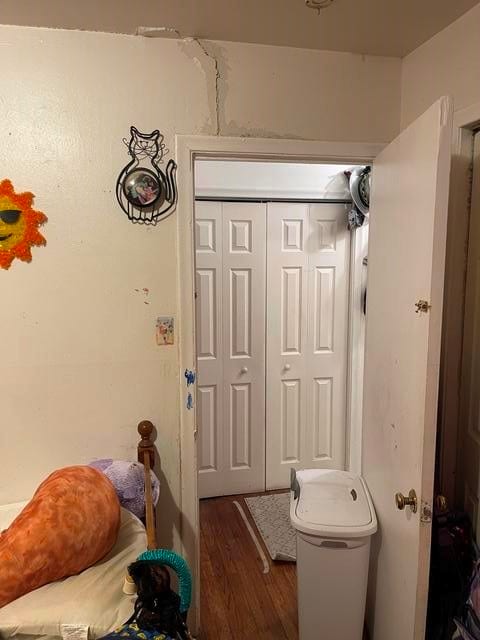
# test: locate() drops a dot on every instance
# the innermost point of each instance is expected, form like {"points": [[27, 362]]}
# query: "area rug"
{"points": [[272, 517]]}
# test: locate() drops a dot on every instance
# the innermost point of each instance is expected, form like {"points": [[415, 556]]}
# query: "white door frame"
{"points": [[219, 147], [465, 121]]}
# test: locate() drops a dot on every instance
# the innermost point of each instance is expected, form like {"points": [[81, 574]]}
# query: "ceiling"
{"points": [[376, 27]]}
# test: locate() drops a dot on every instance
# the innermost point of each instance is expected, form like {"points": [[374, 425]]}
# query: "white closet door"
{"points": [[231, 375], [307, 322], [209, 341]]}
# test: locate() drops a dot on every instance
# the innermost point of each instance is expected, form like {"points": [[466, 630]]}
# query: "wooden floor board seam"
{"points": [[254, 537], [238, 600]]}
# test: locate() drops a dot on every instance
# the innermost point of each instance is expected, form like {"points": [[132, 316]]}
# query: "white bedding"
{"points": [[93, 598]]}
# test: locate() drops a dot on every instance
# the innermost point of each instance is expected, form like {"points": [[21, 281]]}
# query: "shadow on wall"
{"points": [[376, 545], [168, 513], [457, 462], [168, 517]]}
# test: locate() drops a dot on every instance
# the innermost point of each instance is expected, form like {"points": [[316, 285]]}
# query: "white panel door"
{"points": [[308, 255], [209, 341], [408, 215], [231, 347]]}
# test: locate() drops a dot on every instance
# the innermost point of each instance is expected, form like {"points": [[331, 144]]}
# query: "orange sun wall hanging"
{"points": [[18, 225]]}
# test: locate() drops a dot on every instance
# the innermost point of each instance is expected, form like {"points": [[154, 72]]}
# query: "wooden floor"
{"points": [[238, 600]]}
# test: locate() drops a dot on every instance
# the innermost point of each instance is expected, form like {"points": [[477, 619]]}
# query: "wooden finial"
{"points": [[145, 446], [146, 455], [145, 429]]}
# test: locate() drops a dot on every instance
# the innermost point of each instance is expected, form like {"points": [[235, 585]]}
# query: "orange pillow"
{"points": [[71, 522]]}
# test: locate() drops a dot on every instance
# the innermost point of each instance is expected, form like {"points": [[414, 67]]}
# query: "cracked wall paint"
{"points": [[211, 53], [191, 46], [212, 57], [216, 77], [231, 128], [284, 93]]}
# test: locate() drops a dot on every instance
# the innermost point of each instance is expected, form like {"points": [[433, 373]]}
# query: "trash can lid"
{"points": [[332, 504]]}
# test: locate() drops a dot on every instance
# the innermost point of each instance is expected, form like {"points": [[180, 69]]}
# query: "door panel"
{"points": [[240, 312], [240, 423], [291, 420], [322, 418], [308, 258], [209, 278], [207, 323], [207, 410], [408, 214], [291, 301], [230, 270], [323, 300], [244, 260]]}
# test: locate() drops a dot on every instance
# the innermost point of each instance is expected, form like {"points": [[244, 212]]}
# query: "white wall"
{"points": [[283, 92], [79, 366], [227, 178], [447, 64]]}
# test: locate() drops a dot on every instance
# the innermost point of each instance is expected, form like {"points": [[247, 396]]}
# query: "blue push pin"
{"points": [[190, 377]]}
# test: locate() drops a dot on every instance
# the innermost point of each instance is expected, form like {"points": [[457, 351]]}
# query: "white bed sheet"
{"points": [[93, 598]]}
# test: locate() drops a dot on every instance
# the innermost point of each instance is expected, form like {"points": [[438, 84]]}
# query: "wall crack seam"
{"points": [[217, 79]]}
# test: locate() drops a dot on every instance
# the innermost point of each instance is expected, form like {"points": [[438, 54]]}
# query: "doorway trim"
{"points": [[219, 147], [465, 122]]}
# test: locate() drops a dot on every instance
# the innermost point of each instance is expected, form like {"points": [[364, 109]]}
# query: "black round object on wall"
{"points": [[142, 188]]}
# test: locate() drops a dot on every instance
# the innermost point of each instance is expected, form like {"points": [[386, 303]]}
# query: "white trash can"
{"points": [[334, 517]]}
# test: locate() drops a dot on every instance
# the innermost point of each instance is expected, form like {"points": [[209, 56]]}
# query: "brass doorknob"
{"points": [[403, 501]]}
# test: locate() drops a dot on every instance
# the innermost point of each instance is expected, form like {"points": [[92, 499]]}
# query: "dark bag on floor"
{"points": [[468, 624], [450, 572]]}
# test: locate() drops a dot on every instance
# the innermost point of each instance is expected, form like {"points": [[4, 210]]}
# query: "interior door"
{"points": [[230, 256], [408, 216], [308, 257]]}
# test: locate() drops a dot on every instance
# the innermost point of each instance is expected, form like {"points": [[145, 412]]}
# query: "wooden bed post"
{"points": [[146, 455], [145, 429]]}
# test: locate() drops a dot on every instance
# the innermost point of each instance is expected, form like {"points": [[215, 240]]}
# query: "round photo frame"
{"points": [[142, 188]]}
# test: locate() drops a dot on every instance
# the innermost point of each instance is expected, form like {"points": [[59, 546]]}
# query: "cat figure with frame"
{"points": [[145, 192]]}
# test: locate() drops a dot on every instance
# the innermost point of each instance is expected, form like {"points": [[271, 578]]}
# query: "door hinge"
{"points": [[426, 512], [423, 306]]}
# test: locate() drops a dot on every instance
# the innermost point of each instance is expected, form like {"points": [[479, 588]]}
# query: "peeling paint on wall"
{"points": [[190, 46], [217, 88], [217, 81]]}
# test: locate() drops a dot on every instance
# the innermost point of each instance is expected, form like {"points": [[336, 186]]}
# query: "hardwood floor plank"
{"points": [[260, 601], [238, 600], [228, 590], [281, 584], [214, 612]]}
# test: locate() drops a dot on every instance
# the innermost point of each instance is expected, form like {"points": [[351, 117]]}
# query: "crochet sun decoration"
{"points": [[18, 225]]}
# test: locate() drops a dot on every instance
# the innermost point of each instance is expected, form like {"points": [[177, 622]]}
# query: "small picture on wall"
{"points": [[165, 331], [142, 187]]}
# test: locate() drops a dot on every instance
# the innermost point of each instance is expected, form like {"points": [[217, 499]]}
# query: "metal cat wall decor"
{"points": [[145, 192]]}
